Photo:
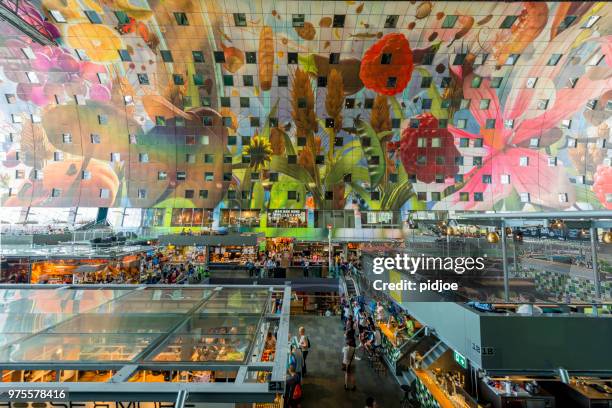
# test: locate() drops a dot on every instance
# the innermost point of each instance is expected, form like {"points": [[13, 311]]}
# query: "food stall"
{"points": [[231, 255], [515, 392], [240, 218], [287, 218]]}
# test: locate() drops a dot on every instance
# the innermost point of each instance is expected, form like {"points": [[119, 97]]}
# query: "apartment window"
{"points": [[428, 58], [464, 142], [445, 82], [198, 56], [478, 142], [227, 176], [461, 123], [102, 77], [297, 20], [227, 159], [143, 157], [464, 104], [225, 102], [464, 197], [203, 194], [426, 82], [566, 123], [251, 57], [439, 178], [512, 58], [56, 192], [85, 175], [442, 123], [552, 161], [19, 174], [554, 59], [232, 140], [32, 77], [485, 103], [572, 142], [189, 193], [329, 123], [16, 118], [246, 140], [508, 21], [490, 124], [542, 104], [181, 19], [66, 138], [247, 80], [531, 82], [486, 179], [181, 176], [375, 195], [133, 139], [421, 160], [534, 142], [349, 103], [115, 157], [35, 118], [104, 193], [591, 104], [122, 17], [391, 82], [178, 79], [338, 141], [95, 138], [124, 55], [368, 103], [204, 140], [347, 178], [166, 55], [204, 100], [79, 99], [38, 175], [208, 121], [128, 99], [426, 103], [476, 81], [292, 195], [436, 142], [459, 59], [478, 197], [595, 60], [162, 175], [477, 161], [219, 57], [57, 16], [292, 159], [580, 179], [273, 176], [338, 20], [590, 22], [393, 177], [524, 161], [254, 121], [391, 21], [571, 83], [509, 123], [505, 179], [385, 59], [244, 102], [292, 58], [160, 121], [10, 98], [563, 197], [240, 20], [143, 79], [142, 193], [524, 197], [449, 21], [93, 17], [458, 178], [282, 81], [190, 158], [496, 82], [334, 58], [208, 176], [228, 80]]}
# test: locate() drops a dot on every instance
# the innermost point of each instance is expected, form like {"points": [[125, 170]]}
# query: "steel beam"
{"points": [[505, 263], [594, 240]]}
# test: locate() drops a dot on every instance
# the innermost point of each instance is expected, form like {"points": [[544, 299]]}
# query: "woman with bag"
{"points": [[304, 343], [348, 357]]}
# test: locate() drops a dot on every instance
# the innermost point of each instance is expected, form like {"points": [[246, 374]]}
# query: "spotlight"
{"points": [[607, 237], [492, 238]]}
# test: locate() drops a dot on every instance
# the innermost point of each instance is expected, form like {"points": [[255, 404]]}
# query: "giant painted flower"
{"points": [[525, 169], [99, 41], [393, 76], [602, 185], [260, 152], [57, 73], [433, 154]]}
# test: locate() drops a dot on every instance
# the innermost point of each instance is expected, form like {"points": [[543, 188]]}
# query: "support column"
{"points": [[594, 261], [505, 262]]}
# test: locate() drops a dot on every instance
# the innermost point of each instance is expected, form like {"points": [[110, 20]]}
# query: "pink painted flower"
{"points": [[508, 153], [602, 185], [58, 73]]}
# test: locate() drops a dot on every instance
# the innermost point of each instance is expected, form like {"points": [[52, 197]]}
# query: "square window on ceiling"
{"points": [[178, 79], [301, 102], [442, 123], [190, 140], [29, 54], [477, 161], [93, 17], [250, 57], [485, 103], [508, 21], [567, 21], [104, 193], [320, 159], [609, 105], [247, 80], [219, 57], [209, 158], [142, 193], [227, 176], [232, 140], [524, 197], [563, 197], [445, 82], [375, 195], [458, 178], [395, 123], [426, 82], [32, 77], [505, 179], [531, 82], [181, 18], [292, 58], [464, 196], [225, 121], [240, 19], [595, 60], [349, 103], [534, 142], [198, 79], [204, 140], [591, 104], [122, 17], [297, 20], [554, 59], [459, 160], [198, 56], [478, 196], [590, 22], [282, 81], [476, 81], [391, 82], [10, 98], [512, 58], [436, 142], [338, 141], [254, 121], [329, 123], [368, 103], [571, 82], [347, 178], [391, 21], [445, 103], [572, 142], [449, 21], [426, 103], [143, 157], [57, 16], [322, 81], [566, 123], [209, 176], [496, 82], [181, 175], [292, 159], [523, 161], [428, 58], [245, 102], [95, 138], [102, 77], [478, 142], [385, 58], [464, 104], [464, 142], [189, 193], [226, 102], [56, 192], [490, 124], [338, 20], [66, 138], [103, 119], [115, 157], [461, 123]]}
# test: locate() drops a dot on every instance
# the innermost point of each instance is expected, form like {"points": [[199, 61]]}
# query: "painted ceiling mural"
{"points": [[308, 104]]}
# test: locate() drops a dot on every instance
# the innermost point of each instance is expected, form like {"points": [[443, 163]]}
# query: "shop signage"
{"points": [[287, 213], [460, 359]]}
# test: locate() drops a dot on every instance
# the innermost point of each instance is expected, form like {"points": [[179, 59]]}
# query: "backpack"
{"points": [[297, 392]]}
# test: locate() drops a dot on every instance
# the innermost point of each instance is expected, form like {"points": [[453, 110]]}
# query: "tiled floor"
{"points": [[324, 385]]}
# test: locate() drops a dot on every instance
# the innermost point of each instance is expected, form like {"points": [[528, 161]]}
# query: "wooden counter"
{"points": [[388, 332], [439, 395]]}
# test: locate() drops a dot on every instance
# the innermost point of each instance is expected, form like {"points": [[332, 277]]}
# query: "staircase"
{"points": [[351, 290], [433, 347]]}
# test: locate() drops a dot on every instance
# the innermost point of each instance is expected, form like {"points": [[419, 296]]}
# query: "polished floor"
{"points": [[324, 385]]}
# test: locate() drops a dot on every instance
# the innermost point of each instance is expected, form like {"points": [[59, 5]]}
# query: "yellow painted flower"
{"points": [[99, 42], [260, 151]]}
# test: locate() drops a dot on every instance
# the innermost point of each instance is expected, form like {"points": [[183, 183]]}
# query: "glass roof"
{"points": [[144, 324]]}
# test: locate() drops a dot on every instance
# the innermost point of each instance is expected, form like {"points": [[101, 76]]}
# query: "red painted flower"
{"points": [[428, 151], [378, 76], [602, 185]]}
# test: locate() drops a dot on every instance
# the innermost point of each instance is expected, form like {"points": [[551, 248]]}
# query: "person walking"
{"points": [[293, 389], [348, 358], [304, 343], [371, 403]]}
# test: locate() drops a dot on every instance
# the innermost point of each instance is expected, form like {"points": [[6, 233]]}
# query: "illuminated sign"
{"points": [[460, 359]]}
